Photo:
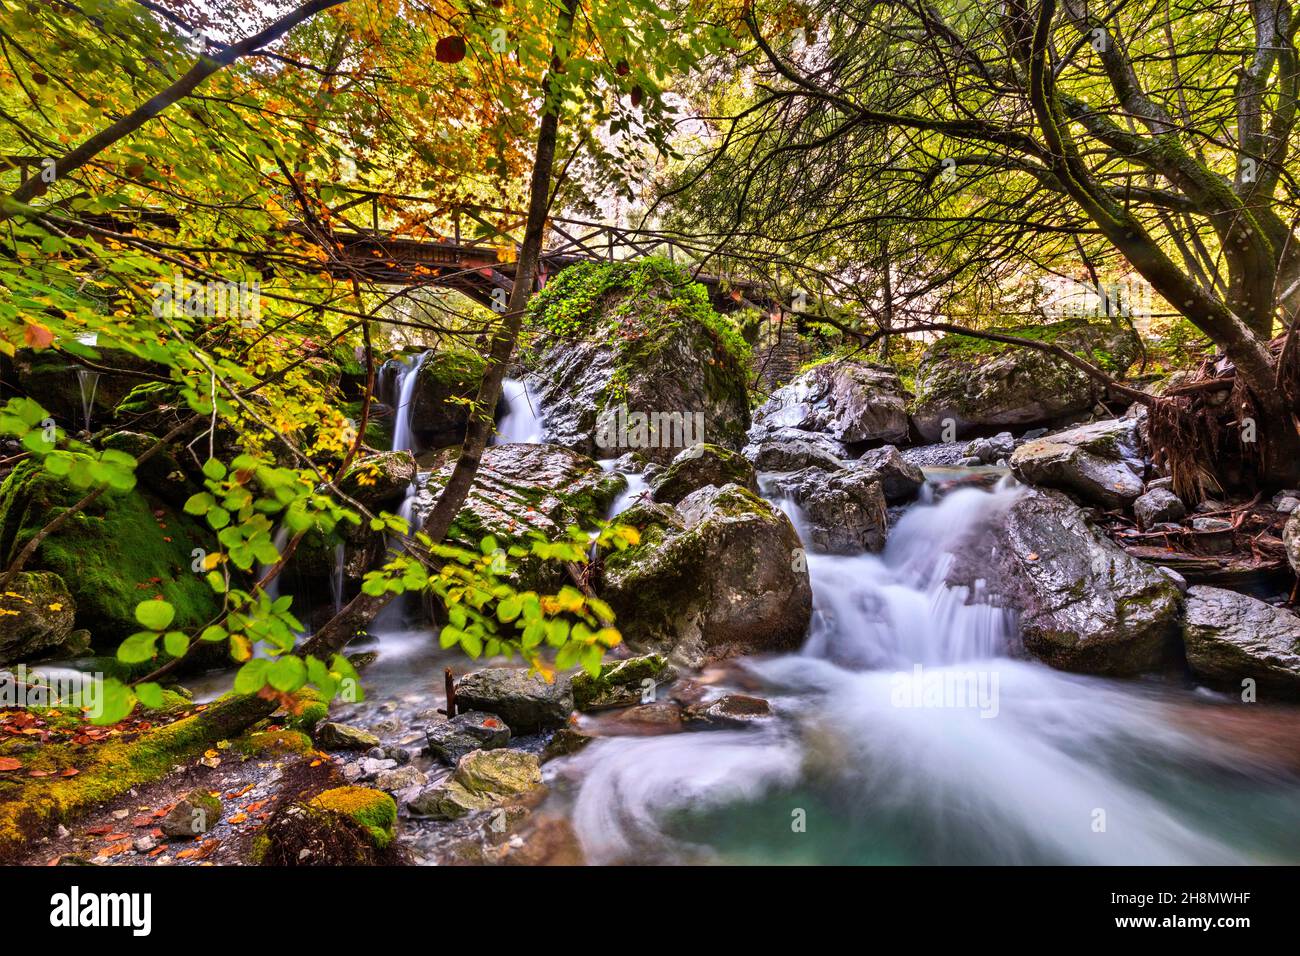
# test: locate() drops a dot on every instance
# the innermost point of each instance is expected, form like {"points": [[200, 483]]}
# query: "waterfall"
{"points": [[404, 384], [905, 732], [521, 422], [336, 578], [88, 383], [636, 487]]}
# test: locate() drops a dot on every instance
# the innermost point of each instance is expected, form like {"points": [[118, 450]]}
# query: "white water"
{"points": [[403, 438], [521, 422], [88, 383], [636, 487], [1036, 766]]}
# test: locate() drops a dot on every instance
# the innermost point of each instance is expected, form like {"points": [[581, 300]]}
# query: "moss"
{"points": [[32, 805], [124, 548], [1078, 335], [260, 847], [373, 810], [313, 708], [272, 742]]}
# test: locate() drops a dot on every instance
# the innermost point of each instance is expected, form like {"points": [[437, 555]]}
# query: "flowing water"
{"points": [[521, 422]]}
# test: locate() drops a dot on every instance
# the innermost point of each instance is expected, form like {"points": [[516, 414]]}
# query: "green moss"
{"points": [[122, 549], [273, 742], [1071, 333], [373, 810], [313, 709]]}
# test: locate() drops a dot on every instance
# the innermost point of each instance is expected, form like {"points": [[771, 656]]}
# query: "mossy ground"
{"points": [[373, 810]]}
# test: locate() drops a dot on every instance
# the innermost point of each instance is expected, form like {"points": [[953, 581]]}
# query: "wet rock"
{"points": [[622, 683], [446, 381], [1180, 582], [699, 466], [1098, 462], [723, 574], [973, 384], [989, 451], [1286, 503], [1291, 539], [380, 481], [482, 780], [1084, 604], [1232, 637], [565, 741], [649, 343], [334, 736], [900, 480], [852, 401], [729, 712], [792, 453], [193, 815], [36, 617], [1158, 506], [449, 740], [1211, 525], [526, 702], [402, 778], [844, 511]]}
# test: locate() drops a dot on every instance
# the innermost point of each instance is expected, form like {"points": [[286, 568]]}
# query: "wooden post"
{"points": [[450, 680]]}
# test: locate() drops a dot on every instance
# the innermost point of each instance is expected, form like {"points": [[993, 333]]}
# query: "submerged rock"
{"points": [[528, 703], [1083, 603], [36, 615], [723, 574], [642, 337], [969, 383], [699, 466], [1232, 637], [852, 401], [1101, 462]]}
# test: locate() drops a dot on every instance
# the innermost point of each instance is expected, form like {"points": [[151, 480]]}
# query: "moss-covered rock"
{"points": [[980, 384], [372, 810], [483, 779], [701, 465], [621, 683], [65, 388], [36, 615], [639, 336], [722, 574], [122, 549], [379, 481], [447, 381], [273, 743], [852, 401]]}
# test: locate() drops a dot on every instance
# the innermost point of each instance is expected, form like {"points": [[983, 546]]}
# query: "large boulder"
{"points": [[36, 615], [527, 702], [1101, 462], [379, 481], [520, 489], [842, 511], [699, 466], [1230, 637], [788, 449], [446, 381], [622, 683], [721, 575], [899, 478], [977, 384], [854, 402], [1083, 603], [630, 356], [122, 549]]}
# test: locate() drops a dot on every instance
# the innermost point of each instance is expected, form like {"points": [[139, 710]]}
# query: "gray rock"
{"points": [[730, 711], [699, 466], [900, 480], [449, 740], [1211, 525], [969, 461], [1157, 483], [193, 815], [1286, 501], [722, 574], [622, 683], [1231, 637], [1158, 506], [788, 453], [1096, 462], [1180, 582], [1084, 604], [850, 400], [526, 702], [403, 778], [843, 512], [991, 450], [482, 780], [1291, 539], [334, 736], [975, 384], [372, 767]]}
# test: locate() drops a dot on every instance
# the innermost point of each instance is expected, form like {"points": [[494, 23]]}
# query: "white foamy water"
{"points": [[521, 422]]}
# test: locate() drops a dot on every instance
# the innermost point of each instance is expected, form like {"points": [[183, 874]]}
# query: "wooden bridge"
{"points": [[473, 249]]}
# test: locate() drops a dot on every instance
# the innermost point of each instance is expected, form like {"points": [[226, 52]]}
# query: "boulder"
{"points": [[631, 356], [977, 384], [36, 615], [449, 740], [1083, 603], [345, 826], [446, 381], [1100, 463], [622, 683], [520, 489], [1291, 538], [699, 466], [121, 549], [723, 574], [729, 712], [1231, 637], [334, 736], [482, 780], [790, 450], [854, 402], [841, 512], [900, 480], [67, 389], [380, 481], [1158, 506], [990, 451], [527, 702]]}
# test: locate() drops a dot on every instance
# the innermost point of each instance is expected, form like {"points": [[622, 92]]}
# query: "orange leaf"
{"points": [[37, 336], [10, 763]]}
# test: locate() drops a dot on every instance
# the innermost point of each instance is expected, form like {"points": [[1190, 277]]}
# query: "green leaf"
{"points": [[176, 644], [214, 469], [138, 648], [150, 694], [287, 674], [154, 614], [115, 702], [509, 609], [200, 504], [252, 676]]}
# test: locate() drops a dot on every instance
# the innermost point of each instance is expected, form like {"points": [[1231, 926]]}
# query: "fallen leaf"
{"points": [[10, 763]]}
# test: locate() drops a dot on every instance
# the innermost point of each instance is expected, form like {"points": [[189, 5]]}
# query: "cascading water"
{"points": [[88, 383], [636, 487], [520, 423], [905, 734], [404, 384]]}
